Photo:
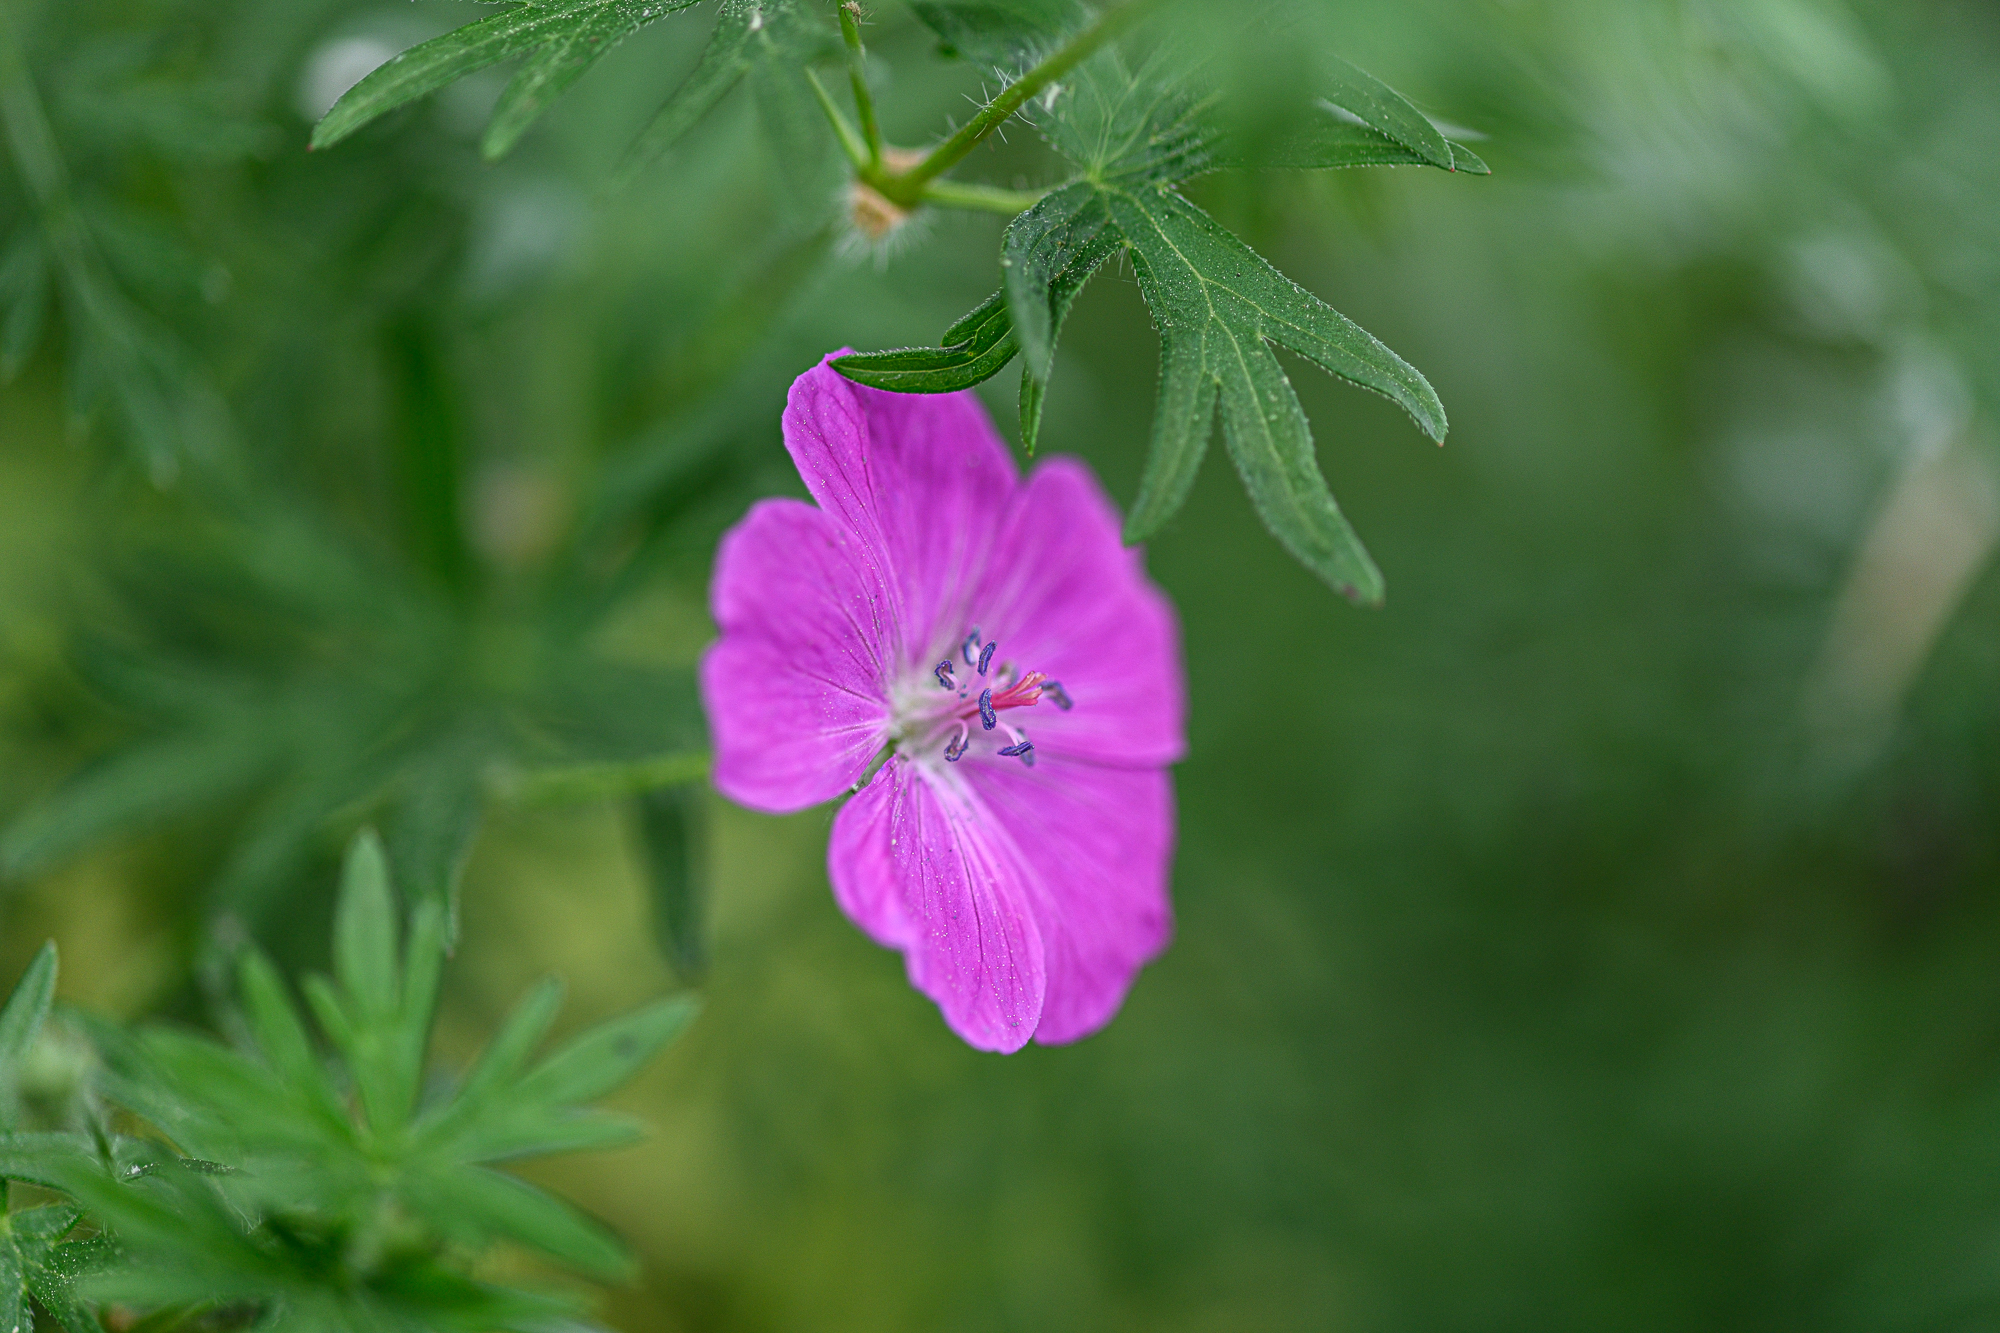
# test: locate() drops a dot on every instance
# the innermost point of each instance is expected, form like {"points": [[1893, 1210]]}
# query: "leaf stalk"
{"points": [[857, 75], [907, 188]]}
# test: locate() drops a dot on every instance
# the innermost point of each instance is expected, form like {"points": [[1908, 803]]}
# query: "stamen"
{"points": [[985, 656], [943, 672], [1055, 691], [986, 717], [1025, 752], [955, 751], [971, 647]]}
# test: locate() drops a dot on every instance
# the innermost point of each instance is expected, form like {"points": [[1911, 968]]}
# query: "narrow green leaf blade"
{"points": [[720, 68], [507, 1054], [473, 1203], [281, 1036], [1362, 94], [1183, 420], [1053, 247], [553, 68], [975, 349], [24, 291], [425, 68], [27, 1008], [1272, 447], [1325, 141], [1046, 262], [670, 826], [600, 1059], [14, 1317], [364, 931]]}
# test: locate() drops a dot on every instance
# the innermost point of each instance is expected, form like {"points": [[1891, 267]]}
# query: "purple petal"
{"points": [[922, 479], [1097, 844], [797, 686], [916, 866], [1062, 595]]}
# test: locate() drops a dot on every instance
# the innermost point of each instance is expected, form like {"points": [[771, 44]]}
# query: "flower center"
{"points": [[954, 704]]}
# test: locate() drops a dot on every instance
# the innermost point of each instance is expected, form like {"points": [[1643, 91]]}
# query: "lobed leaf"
{"points": [[1217, 302]]}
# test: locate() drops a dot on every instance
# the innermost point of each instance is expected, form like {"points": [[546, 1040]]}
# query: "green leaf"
{"points": [[130, 791], [670, 826], [601, 1058], [26, 1009], [14, 1316], [1218, 306], [364, 931], [1383, 108], [729, 53], [282, 1039], [1328, 140], [507, 1054], [975, 349], [37, 1158], [561, 38], [475, 1203], [24, 292], [1183, 419], [1217, 302], [53, 1280], [999, 32], [1046, 257], [432, 827]]}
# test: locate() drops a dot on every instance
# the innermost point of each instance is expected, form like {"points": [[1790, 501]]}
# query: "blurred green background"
{"points": [[1601, 935]]}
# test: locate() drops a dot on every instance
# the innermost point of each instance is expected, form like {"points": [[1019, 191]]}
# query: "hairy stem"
{"points": [[985, 198], [908, 187]]}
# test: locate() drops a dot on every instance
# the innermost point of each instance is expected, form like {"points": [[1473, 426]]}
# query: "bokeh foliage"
{"points": [[1535, 966]]}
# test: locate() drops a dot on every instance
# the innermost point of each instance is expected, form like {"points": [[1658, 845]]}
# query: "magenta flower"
{"points": [[1024, 675]]}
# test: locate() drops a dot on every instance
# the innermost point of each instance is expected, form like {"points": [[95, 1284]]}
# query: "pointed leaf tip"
{"points": [[27, 1007], [365, 931]]}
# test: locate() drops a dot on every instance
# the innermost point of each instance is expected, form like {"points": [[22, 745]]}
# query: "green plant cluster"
{"points": [[276, 1181]]}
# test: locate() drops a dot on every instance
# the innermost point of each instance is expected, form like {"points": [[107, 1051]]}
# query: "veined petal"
{"points": [[797, 686], [921, 479], [915, 866], [1062, 595]]}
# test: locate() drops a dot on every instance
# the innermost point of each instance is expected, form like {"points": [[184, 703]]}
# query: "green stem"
{"points": [[851, 143], [985, 198], [575, 784], [857, 75], [908, 188]]}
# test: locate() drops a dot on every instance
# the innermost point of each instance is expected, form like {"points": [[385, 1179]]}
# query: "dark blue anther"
{"points": [[1025, 752], [971, 647], [986, 656], [1058, 695], [943, 671], [986, 717], [956, 749]]}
